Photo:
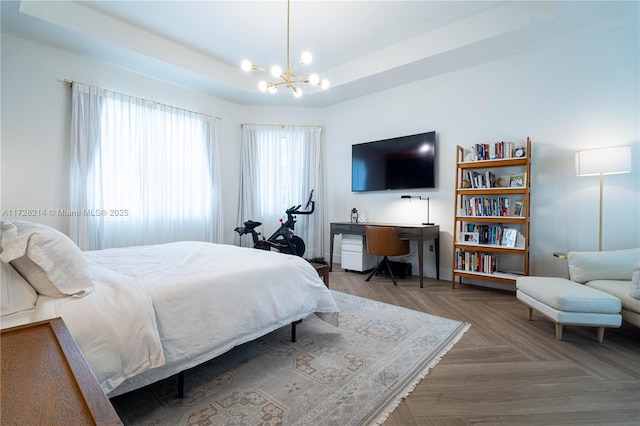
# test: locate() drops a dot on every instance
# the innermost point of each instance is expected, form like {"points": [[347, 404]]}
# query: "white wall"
{"points": [[583, 93], [580, 94]]}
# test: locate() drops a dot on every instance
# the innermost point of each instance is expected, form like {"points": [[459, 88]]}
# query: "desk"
{"points": [[419, 233]]}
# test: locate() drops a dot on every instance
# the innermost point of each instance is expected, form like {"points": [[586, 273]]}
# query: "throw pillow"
{"points": [[17, 295], [46, 258]]}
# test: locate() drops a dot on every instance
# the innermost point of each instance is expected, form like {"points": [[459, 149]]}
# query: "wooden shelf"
{"points": [[488, 164], [492, 191], [461, 222], [492, 219], [503, 277], [492, 248]]}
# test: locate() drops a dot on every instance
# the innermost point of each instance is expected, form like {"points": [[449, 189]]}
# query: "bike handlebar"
{"points": [[309, 200], [296, 209]]}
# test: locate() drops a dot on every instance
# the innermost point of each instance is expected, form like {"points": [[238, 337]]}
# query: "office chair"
{"points": [[384, 241]]}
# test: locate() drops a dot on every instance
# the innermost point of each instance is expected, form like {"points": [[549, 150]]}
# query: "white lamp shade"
{"points": [[607, 161]]}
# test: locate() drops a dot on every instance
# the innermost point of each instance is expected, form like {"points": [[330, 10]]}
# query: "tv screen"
{"points": [[405, 162]]}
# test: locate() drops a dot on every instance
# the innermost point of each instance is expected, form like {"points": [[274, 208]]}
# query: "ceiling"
{"points": [[360, 46]]}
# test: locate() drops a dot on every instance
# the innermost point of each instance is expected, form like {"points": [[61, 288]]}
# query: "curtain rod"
{"points": [[71, 82], [282, 125]]}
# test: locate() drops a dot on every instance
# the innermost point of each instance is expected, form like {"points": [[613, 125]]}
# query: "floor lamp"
{"points": [[600, 162]]}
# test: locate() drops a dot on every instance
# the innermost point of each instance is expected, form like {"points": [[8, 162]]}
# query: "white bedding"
{"points": [[207, 298], [114, 326]]}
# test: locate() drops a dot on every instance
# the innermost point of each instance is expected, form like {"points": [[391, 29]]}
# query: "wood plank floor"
{"points": [[507, 370]]}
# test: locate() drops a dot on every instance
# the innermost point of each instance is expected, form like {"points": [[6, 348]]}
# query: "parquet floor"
{"points": [[507, 370]]}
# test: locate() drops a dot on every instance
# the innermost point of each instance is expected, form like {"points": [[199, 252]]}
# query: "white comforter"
{"points": [[114, 326], [206, 298]]}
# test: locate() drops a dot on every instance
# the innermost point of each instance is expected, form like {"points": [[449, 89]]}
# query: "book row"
{"points": [[494, 151], [489, 234], [479, 180], [500, 206], [476, 262]]}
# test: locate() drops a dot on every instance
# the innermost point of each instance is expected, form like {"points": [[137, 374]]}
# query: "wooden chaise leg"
{"points": [[600, 334], [529, 313], [558, 331]]}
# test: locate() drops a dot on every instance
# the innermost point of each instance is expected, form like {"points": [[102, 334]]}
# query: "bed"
{"points": [[142, 314]]}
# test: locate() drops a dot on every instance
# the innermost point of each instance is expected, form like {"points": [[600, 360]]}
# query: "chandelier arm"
{"points": [[296, 67], [298, 79]]}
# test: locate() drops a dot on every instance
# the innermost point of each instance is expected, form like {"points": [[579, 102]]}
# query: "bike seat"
{"points": [[252, 224]]}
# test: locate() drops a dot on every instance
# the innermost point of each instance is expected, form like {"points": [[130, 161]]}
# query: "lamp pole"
{"points": [[603, 161], [600, 227]]}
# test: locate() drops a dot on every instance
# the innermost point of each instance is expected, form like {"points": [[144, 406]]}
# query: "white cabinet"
{"points": [[354, 254]]}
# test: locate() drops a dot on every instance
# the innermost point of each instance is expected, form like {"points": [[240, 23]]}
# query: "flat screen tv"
{"points": [[406, 162]]}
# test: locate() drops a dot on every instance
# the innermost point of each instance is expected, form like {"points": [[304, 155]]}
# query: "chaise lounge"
{"points": [[602, 291]]}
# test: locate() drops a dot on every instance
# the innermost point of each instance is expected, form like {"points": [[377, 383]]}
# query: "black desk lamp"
{"points": [[420, 197]]}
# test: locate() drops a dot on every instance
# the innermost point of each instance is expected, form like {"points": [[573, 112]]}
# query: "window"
{"points": [[142, 172], [280, 166]]}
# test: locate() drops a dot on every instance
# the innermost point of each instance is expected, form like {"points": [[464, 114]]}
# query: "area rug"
{"points": [[354, 374]]}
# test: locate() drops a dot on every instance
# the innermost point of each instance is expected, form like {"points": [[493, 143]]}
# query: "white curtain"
{"points": [[280, 166], [141, 172]]}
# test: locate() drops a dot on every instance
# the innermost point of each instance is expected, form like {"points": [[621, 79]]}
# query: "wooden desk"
{"points": [[46, 380], [419, 233]]}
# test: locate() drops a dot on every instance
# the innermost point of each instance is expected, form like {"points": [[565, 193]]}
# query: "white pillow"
{"points": [[17, 295], [602, 265], [46, 258], [634, 291]]}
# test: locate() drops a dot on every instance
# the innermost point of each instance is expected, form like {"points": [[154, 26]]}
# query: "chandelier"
{"points": [[287, 77]]}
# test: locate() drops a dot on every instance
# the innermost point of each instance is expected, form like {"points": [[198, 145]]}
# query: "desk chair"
{"points": [[384, 241]]}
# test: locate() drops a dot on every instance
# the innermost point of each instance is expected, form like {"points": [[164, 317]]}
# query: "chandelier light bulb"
{"points": [[262, 86], [314, 79], [273, 89], [246, 65], [324, 84], [297, 92], [276, 71], [306, 58]]}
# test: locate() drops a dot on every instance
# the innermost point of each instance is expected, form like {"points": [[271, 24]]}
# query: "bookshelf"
{"points": [[491, 217]]}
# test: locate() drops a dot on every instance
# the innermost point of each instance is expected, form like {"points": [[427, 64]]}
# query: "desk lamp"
{"points": [[603, 161], [420, 197]]}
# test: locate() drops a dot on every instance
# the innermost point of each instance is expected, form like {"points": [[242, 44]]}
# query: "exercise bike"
{"points": [[283, 239]]}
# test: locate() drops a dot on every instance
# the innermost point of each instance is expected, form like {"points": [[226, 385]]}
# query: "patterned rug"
{"points": [[355, 374]]}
